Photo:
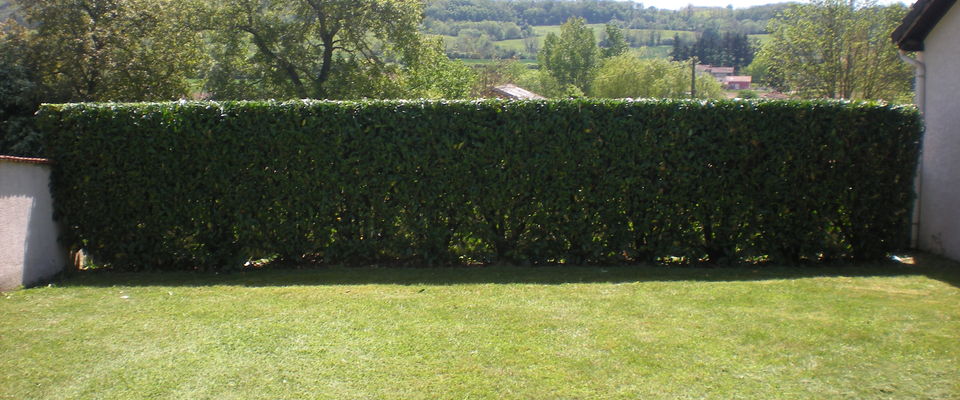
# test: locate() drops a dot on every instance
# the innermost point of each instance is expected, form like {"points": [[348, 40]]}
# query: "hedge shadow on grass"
{"points": [[928, 265]]}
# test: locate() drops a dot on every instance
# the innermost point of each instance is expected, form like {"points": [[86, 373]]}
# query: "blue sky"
{"points": [[673, 5]]}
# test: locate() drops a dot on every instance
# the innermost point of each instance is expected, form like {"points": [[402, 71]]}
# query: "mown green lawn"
{"points": [[865, 331]]}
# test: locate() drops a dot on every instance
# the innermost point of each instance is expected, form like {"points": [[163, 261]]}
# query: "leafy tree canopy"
{"points": [[627, 75], [837, 49], [20, 93], [614, 44], [432, 75], [299, 45], [571, 56], [98, 50], [729, 49]]}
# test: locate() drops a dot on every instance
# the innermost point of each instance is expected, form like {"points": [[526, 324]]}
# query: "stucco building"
{"points": [[932, 31], [29, 251]]}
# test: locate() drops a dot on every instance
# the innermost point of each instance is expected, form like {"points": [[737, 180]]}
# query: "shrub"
{"points": [[627, 75], [211, 185]]}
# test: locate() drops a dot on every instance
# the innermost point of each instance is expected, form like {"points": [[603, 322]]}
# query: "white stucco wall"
{"points": [[29, 252], [940, 190]]}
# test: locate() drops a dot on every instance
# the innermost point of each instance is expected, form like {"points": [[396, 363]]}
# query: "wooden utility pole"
{"points": [[693, 77]]}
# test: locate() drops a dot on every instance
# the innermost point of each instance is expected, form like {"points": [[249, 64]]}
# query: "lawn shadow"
{"points": [[939, 268], [917, 264]]}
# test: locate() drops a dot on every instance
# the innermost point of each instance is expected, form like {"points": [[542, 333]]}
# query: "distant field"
{"points": [[644, 52], [481, 61], [760, 37], [516, 44], [655, 51], [540, 32]]}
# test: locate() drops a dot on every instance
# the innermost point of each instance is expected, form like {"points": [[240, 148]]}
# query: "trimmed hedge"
{"points": [[212, 185]]}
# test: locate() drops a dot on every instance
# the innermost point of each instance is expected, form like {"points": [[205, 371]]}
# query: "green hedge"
{"points": [[212, 185]]}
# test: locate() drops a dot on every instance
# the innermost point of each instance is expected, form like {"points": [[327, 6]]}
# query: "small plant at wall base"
{"points": [[211, 185]]}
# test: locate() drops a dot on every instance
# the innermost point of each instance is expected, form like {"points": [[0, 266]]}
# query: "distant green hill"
{"points": [[500, 29], [654, 43], [752, 20]]}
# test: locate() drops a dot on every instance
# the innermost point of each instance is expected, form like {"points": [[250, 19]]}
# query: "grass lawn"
{"points": [[865, 331]]}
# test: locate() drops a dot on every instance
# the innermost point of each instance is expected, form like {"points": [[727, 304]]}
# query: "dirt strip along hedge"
{"points": [[213, 185]]}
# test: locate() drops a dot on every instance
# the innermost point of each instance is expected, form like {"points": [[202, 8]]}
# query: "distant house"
{"points": [[717, 72], [510, 91], [721, 72], [725, 76], [737, 82], [932, 30]]}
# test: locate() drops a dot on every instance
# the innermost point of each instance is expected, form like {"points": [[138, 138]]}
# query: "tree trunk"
{"points": [[284, 65], [327, 63]]}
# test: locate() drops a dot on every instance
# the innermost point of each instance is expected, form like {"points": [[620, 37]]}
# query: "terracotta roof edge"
{"points": [[26, 160]]}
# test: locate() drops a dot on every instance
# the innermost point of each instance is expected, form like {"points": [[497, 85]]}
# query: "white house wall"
{"points": [[29, 252], [940, 191]]}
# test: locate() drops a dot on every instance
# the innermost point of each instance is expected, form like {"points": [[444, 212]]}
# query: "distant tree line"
{"points": [[495, 30], [629, 14], [728, 50]]}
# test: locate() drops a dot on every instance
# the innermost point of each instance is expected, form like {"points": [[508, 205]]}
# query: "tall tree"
{"points": [[432, 75], [299, 45], [680, 50], [837, 49], [571, 56], [96, 50], [20, 92], [614, 44], [729, 49]]}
